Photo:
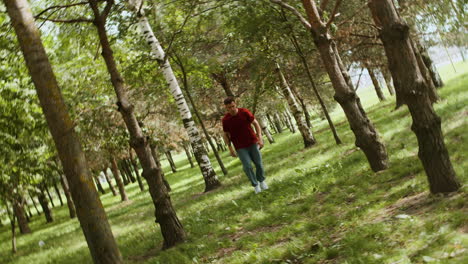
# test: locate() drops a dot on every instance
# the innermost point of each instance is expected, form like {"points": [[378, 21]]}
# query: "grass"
{"points": [[324, 204]]}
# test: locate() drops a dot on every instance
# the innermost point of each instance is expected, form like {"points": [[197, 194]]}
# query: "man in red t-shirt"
{"points": [[237, 127]]}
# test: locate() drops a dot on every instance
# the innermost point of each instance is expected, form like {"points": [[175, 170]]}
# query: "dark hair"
{"points": [[229, 100]]}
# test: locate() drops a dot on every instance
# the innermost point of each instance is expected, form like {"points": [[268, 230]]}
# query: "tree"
{"points": [[95, 226], [413, 89], [366, 135], [171, 228], [307, 136], [209, 175]]}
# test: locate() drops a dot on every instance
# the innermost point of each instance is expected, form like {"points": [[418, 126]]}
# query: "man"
{"points": [[237, 127]]}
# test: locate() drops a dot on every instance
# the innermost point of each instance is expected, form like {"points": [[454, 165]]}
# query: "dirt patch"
{"points": [[148, 254], [224, 252], [415, 204], [349, 152]]}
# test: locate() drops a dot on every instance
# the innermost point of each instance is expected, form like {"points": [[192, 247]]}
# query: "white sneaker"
{"points": [[257, 189], [263, 185]]}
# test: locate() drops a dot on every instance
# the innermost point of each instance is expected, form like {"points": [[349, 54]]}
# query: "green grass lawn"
{"points": [[324, 204]]}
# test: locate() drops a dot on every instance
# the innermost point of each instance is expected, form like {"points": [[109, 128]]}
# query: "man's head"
{"points": [[230, 105]]}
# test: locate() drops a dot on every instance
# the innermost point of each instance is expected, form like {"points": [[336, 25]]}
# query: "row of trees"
{"points": [[266, 52]]}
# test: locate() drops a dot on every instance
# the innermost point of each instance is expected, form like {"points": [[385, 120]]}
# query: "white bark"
{"points": [[209, 175], [266, 131], [307, 136]]}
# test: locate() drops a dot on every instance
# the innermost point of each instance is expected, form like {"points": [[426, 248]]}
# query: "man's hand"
{"points": [[260, 143], [233, 153]]}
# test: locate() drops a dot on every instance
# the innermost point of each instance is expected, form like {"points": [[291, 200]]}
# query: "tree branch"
{"points": [[107, 9], [59, 7], [335, 9], [357, 11], [295, 12], [77, 20]]}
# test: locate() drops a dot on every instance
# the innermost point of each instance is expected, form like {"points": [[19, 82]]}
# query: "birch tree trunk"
{"points": [[109, 182], [70, 203], [95, 226], [170, 226], [197, 114], [118, 180], [413, 89], [266, 131], [277, 122], [366, 135], [272, 123], [201, 156], [307, 136], [289, 123]]}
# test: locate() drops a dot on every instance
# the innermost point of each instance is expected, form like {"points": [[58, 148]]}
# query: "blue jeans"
{"points": [[247, 156]]}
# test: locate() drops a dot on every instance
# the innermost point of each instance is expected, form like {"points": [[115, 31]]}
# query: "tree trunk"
{"points": [[95, 226], [21, 216], [277, 122], [109, 182], [123, 173], [376, 84], [187, 152], [155, 154], [30, 215], [266, 131], [45, 206], [201, 156], [57, 190], [303, 106], [128, 168], [99, 185], [170, 160], [388, 79], [414, 90], [50, 196], [68, 195], [433, 73], [272, 124], [288, 122], [118, 180], [28, 218], [314, 88], [366, 136], [34, 203], [13, 234], [170, 226], [137, 172], [221, 78], [197, 114], [307, 136]]}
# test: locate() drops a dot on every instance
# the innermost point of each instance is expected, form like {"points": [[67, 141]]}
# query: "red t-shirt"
{"points": [[238, 126]]}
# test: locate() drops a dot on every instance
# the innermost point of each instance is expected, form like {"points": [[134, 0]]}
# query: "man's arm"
{"points": [[227, 140], [258, 130]]}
